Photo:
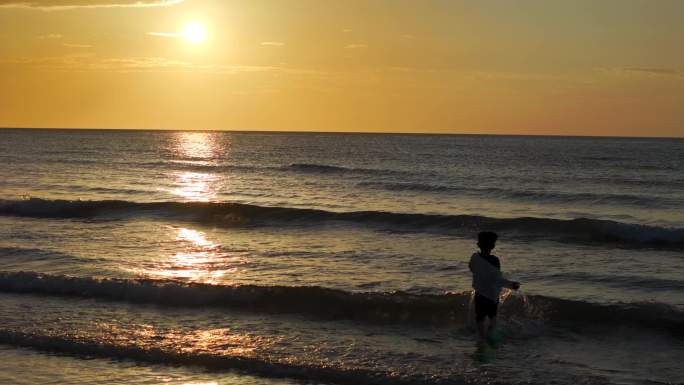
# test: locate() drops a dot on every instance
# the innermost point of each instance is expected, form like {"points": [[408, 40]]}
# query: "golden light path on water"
{"points": [[197, 148], [202, 145], [201, 260], [196, 187], [201, 383]]}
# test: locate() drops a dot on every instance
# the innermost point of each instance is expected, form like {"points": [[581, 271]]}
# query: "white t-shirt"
{"points": [[487, 278]]}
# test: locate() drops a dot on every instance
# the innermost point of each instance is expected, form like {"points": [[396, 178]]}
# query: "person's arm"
{"points": [[508, 283], [503, 281]]}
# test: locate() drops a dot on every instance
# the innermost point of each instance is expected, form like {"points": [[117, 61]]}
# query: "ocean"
{"points": [[150, 257]]}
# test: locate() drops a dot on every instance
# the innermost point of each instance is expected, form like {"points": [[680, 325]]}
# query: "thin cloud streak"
{"points": [[654, 71], [273, 43], [173, 35], [73, 45], [89, 62], [647, 72], [57, 5], [356, 46], [51, 36]]}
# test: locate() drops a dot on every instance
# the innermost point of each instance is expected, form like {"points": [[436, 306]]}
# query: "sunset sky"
{"points": [[576, 67]]}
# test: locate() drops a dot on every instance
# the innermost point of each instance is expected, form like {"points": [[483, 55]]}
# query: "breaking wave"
{"points": [[254, 365], [581, 230], [376, 307]]}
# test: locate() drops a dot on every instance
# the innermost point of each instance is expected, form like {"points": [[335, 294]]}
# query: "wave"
{"points": [[608, 158], [581, 230], [319, 301], [410, 186], [547, 196], [376, 307], [30, 254], [320, 168], [107, 349], [200, 166], [330, 169], [619, 281], [312, 168], [109, 190]]}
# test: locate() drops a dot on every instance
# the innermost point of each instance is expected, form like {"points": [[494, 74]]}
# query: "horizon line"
{"points": [[335, 132]]}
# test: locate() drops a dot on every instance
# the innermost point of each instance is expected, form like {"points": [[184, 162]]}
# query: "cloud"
{"points": [[652, 71], [54, 62], [143, 64], [73, 45], [58, 5], [166, 34], [356, 46], [272, 44], [51, 36], [90, 62]]}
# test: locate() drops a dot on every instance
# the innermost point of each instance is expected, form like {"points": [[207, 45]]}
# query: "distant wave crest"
{"points": [[310, 168], [581, 230], [544, 196], [330, 169]]}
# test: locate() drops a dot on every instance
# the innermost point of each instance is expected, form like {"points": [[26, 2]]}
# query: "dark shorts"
{"points": [[484, 307]]}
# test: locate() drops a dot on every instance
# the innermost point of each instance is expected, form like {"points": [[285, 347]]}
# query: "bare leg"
{"points": [[492, 325], [481, 328]]}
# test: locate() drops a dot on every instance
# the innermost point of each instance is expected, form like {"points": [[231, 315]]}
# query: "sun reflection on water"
{"points": [[197, 149], [197, 145], [197, 187], [201, 383], [201, 260], [225, 341], [196, 237]]}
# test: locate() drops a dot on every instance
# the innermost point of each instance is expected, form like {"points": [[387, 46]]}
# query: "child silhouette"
{"points": [[487, 282]]}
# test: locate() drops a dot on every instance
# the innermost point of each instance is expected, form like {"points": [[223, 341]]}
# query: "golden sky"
{"points": [[575, 67]]}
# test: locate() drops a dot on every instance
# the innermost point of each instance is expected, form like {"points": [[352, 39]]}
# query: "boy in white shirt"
{"points": [[487, 282]]}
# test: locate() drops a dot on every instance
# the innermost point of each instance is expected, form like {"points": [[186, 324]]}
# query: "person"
{"points": [[487, 282]]}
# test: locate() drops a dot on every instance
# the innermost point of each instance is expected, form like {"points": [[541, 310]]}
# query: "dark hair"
{"points": [[486, 238]]}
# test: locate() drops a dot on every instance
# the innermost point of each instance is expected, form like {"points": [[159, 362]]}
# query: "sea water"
{"points": [[236, 258]]}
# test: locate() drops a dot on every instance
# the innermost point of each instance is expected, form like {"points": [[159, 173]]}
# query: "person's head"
{"points": [[486, 241]]}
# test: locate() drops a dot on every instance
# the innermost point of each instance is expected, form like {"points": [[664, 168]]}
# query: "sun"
{"points": [[194, 32]]}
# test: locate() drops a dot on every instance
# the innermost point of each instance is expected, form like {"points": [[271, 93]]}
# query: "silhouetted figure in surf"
{"points": [[487, 282]]}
